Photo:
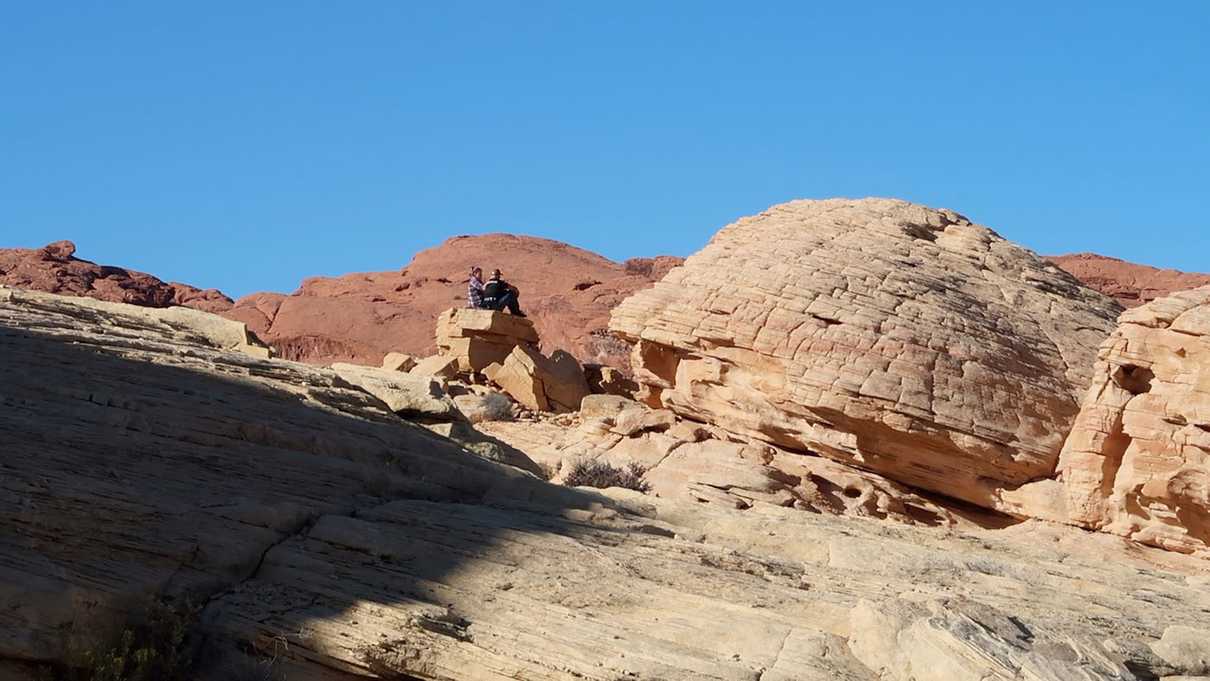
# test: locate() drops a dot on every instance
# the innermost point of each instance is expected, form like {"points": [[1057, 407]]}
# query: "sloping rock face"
{"points": [[1129, 283], [142, 456], [885, 335], [55, 269], [567, 292], [1137, 462]]}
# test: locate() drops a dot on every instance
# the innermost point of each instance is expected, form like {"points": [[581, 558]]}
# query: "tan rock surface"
{"points": [[404, 394], [1137, 462], [139, 457], [398, 361], [887, 336], [438, 366], [480, 338], [541, 383]]}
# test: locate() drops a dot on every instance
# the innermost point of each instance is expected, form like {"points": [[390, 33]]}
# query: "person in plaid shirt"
{"points": [[474, 288]]}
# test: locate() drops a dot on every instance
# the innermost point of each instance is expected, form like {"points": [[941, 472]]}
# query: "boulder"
{"points": [[885, 335], [554, 383], [398, 361], [437, 366], [609, 381], [491, 406], [404, 394], [604, 406], [478, 338], [1137, 461], [640, 419], [1185, 648]]}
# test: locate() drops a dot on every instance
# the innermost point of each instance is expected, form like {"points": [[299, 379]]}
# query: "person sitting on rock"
{"points": [[474, 288], [499, 294]]}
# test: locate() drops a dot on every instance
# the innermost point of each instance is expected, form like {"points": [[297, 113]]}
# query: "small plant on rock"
{"points": [[154, 646], [599, 474]]}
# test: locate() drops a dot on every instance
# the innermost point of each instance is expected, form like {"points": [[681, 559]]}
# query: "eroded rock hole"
{"points": [[1135, 380]]}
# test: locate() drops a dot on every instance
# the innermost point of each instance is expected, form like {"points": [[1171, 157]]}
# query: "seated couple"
{"points": [[495, 294]]}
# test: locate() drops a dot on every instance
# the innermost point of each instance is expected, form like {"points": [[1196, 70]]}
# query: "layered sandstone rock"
{"points": [[404, 394], [1137, 462], [479, 338], [1130, 283], [885, 335], [398, 361], [141, 456], [541, 383]]}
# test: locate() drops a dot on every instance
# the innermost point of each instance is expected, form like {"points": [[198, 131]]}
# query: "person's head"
{"points": [[497, 274], [477, 272]]}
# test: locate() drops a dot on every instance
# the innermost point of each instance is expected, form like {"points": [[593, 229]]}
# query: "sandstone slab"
{"points": [[398, 361], [404, 394], [541, 383]]}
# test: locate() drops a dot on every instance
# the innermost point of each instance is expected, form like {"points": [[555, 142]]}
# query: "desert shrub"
{"points": [[600, 474], [155, 645]]}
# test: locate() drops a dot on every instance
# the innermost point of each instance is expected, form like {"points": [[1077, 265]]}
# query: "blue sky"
{"points": [[246, 145]]}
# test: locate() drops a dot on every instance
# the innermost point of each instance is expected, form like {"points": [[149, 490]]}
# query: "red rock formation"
{"points": [[1131, 284], [55, 269], [567, 291]]}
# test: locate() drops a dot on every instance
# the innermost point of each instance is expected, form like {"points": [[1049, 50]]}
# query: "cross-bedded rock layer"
{"points": [[153, 452], [882, 334], [1137, 462]]}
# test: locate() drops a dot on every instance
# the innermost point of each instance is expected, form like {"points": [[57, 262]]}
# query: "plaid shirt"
{"points": [[474, 292]]}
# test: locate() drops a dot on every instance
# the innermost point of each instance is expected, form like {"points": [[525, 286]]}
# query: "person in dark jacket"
{"points": [[501, 295]]}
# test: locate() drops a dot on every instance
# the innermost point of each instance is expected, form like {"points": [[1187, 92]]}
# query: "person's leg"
{"points": [[509, 301]]}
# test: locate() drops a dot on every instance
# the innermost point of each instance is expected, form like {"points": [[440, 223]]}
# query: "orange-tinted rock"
{"points": [[1131, 284], [1137, 462], [55, 269], [885, 335], [568, 293]]}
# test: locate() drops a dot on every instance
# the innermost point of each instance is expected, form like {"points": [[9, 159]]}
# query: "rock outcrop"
{"points": [[538, 382], [55, 269], [567, 292], [480, 338], [1137, 462], [1130, 283], [887, 336], [143, 456]]}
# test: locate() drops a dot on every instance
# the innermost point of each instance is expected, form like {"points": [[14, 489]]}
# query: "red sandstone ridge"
{"points": [[1130, 283], [55, 269], [567, 291]]}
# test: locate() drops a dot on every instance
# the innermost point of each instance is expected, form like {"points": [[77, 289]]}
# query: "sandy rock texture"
{"points": [[1130, 283], [142, 456], [567, 292], [1137, 462], [55, 269], [888, 336], [480, 338]]}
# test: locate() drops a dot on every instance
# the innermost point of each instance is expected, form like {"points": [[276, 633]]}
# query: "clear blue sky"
{"points": [[245, 145]]}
